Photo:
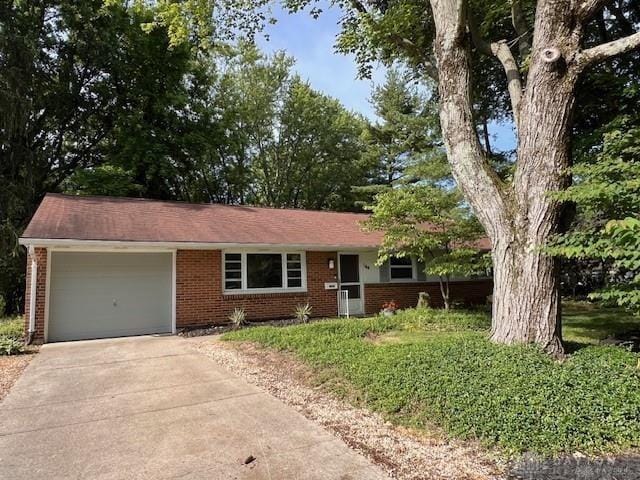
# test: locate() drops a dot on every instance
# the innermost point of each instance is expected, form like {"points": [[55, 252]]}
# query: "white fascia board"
{"points": [[117, 244]]}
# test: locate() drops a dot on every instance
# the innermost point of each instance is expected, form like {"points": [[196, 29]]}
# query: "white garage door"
{"points": [[101, 295]]}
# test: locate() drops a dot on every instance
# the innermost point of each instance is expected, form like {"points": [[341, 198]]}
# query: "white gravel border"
{"points": [[404, 455]]}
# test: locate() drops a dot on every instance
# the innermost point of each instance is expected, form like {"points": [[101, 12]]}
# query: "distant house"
{"points": [[104, 267]]}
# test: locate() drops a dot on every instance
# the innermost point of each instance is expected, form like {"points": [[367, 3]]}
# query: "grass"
{"points": [[426, 367], [586, 323]]}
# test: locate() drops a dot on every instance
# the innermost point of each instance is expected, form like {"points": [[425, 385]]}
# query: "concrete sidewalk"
{"points": [[150, 407]]}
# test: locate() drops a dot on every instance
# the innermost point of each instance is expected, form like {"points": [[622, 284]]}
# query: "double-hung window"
{"points": [[401, 268], [253, 271]]}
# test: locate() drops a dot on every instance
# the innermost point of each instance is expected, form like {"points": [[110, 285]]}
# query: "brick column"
{"points": [[40, 255]]}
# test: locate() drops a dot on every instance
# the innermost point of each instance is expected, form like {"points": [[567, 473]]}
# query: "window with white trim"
{"points": [[294, 270], [233, 271], [401, 268], [264, 271]]}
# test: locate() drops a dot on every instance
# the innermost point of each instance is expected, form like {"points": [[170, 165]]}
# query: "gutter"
{"points": [[32, 297], [132, 244]]}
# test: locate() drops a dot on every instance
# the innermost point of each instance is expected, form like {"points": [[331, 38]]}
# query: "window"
{"points": [[401, 268], [294, 270], [264, 271], [233, 271]]}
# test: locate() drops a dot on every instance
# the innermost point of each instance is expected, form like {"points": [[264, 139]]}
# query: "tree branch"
{"points": [[502, 52], [469, 164], [521, 27], [607, 50], [401, 42], [588, 8]]}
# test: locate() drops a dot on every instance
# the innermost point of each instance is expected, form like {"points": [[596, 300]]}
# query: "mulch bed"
{"points": [[11, 367]]}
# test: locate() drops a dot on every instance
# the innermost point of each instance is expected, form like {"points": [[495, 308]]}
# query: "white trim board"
{"points": [[126, 244]]}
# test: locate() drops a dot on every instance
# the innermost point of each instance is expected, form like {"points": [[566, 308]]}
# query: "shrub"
{"points": [[390, 306], [10, 346], [12, 328], [303, 312], [3, 306], [438, 319], [238, 318]]}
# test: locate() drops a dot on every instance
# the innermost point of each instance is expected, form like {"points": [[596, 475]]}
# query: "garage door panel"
{"points": [[99, 295]]}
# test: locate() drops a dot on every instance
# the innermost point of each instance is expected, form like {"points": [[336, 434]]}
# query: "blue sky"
{"points": [[311, 42]]}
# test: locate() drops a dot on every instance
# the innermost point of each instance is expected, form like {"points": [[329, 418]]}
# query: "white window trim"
{"points": [[414, 272], [244, 289]]}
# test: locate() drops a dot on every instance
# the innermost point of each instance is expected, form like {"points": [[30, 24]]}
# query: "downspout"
{"points": [[32, 296]]}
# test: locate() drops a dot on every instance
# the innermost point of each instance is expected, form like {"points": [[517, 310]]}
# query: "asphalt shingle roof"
{"points": [[133, 219]]}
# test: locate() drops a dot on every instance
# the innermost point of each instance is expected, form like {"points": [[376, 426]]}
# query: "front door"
{"points": [[350, 281]]}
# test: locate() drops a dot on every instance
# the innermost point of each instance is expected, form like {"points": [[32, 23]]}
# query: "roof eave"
{"points": [[124, 244]]}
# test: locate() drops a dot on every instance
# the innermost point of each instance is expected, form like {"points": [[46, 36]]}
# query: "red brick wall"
{"points": [[200, 301], [41, 285], [473, 292]]}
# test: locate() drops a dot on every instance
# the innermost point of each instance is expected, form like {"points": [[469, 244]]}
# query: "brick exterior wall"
{"points": [[200, 301], [473, 292], [41, 286]]}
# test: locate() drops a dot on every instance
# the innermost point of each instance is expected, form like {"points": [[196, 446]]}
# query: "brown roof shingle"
{"points": [[141, 220]]}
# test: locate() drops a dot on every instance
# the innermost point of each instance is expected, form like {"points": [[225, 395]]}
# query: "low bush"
{"points": [[302, 313], [238, 318], [12, 327], [11, 336], [10, 346], [513, 397]]}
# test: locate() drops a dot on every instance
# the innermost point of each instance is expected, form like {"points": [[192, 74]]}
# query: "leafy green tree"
{"points": [[284, 144], [102, 180], [81, 85], [433, 225], [606, 192], [405, 132]]}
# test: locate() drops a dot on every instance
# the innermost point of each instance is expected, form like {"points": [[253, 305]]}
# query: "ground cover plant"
{"points": [[427, 367], [11, 335]]}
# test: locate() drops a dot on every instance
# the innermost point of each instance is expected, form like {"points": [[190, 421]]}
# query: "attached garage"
{"points": [[109, 294]]}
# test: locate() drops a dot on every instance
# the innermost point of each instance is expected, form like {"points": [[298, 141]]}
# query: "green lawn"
{"points": [[426, 368], [585, 323]]}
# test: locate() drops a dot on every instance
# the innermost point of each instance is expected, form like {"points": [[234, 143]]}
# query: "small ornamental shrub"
{"points": [[302, 313], [238, 318]]}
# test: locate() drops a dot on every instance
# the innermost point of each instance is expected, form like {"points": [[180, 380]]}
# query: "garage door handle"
{"points": [[115, 302]]}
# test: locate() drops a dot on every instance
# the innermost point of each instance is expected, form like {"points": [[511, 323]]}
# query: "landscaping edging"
{"points": [[402, 454]]}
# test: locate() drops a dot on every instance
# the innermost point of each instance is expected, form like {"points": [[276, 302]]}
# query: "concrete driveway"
{"points": [[150, 407]]}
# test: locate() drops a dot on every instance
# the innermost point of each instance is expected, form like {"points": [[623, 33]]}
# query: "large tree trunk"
{"points": [[518, 217], [526, 300]]}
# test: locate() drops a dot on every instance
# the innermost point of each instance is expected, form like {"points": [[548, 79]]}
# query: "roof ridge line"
{"points": [[200, 204]]}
